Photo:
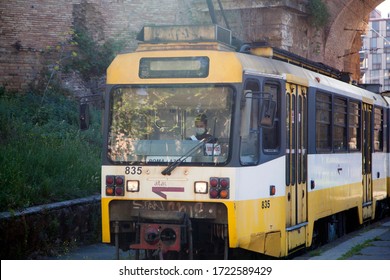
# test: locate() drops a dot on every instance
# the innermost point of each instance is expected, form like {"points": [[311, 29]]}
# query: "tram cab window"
{"points": [[259, 115], [155, 124], [249, 148], [271, 139]]}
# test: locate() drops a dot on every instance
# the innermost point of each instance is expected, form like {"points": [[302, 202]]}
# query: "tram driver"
{"points": [[201, 133]]}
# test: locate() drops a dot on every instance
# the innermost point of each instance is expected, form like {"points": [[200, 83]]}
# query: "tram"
{"points": [[295, 156]]}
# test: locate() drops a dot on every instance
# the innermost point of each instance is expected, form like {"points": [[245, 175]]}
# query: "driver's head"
{"points": [[201, 124]]}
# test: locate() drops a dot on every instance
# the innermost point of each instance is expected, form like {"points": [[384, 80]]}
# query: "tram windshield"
{"points": [[157, 125]]}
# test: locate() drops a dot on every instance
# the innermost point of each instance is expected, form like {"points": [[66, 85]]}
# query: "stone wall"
{"points": [[47, 230], [29, 28]]}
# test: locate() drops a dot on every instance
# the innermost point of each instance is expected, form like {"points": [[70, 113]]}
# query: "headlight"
{"points": [[132, 186], [201, 187]]}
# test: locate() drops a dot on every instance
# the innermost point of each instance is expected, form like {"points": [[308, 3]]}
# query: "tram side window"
{"points": [[249, 148], [340, 125], [323, 122], [271, 139], [378, 130], [354, 126]]}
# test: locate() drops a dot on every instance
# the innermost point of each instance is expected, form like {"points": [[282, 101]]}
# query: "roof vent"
{"points": [[375, 88]]}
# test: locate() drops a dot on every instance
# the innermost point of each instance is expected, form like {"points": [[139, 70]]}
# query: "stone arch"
{"points": [[348, 21], [287, 25]]}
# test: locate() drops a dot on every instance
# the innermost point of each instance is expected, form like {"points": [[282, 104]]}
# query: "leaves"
{"points": [[319, 13], [91, 58], [44, 157]]}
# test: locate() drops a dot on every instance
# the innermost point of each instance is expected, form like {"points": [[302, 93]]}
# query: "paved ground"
{"points": [[366, 244], [378, 247], [94, 252], [373, 242]]}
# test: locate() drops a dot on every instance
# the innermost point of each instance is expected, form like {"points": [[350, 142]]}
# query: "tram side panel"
{"points": [[380, 157], [334, 175], [260, 210]]}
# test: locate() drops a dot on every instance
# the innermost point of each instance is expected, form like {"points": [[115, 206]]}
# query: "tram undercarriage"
{"points": [[172, 238], [198, 234]]}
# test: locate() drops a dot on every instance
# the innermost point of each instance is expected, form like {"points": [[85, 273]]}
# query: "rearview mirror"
{"points": [[267, 113]]}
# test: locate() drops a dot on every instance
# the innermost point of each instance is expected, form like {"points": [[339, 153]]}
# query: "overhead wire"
{"points": [[370, 28], [365, 22]]}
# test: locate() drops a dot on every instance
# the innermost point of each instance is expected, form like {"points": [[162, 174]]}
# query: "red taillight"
{"points": [[213, 182], [224, 182], [214, 193], [109, 180], [115, 185], [219, 187], [118, 191], [118, 180]]}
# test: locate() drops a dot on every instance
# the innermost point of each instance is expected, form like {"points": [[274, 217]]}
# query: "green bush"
{"points": [[92, 59], [319, 14], [44, 157]]}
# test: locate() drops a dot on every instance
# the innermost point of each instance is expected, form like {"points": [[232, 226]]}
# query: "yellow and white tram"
{"points": [[296, 157]]}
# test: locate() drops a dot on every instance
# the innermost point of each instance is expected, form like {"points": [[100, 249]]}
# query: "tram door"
{"points": [[367, 160], [296, 165]]}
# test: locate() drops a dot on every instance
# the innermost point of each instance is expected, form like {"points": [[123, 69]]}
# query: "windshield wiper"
{"points": [[176, 163]]}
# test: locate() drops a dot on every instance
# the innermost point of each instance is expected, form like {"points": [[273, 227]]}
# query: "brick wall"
{"points": [[28, 28]]}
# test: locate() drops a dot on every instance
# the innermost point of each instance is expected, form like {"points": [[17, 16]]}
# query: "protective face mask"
{"points": [[200, 130]]}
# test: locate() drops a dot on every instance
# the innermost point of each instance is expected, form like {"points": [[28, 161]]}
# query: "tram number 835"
{"points": [[265, 204], [133, 170]]}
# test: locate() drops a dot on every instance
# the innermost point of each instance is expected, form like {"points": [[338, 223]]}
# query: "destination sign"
{"points": [[166, 159]]}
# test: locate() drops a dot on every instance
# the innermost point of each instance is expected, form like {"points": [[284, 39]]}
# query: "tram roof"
{"points": [[266, 66], [228, 66]]}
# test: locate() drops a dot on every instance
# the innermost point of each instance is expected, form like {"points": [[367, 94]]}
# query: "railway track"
{"points": [[350, 244], [341, 248]]}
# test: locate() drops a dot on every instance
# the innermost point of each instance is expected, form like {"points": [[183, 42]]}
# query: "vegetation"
{"points": [[356, 249], [92, 59], [319, 14], [44, 157]]}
